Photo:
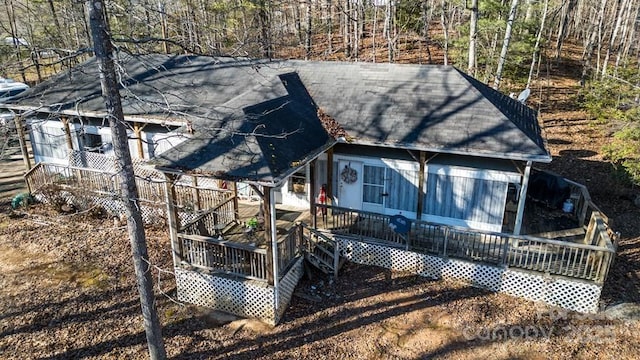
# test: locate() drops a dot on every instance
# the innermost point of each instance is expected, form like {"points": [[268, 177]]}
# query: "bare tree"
{"points": [[426, 11], [537, 45], [103, 49], [307, 43], [473, 34], [567, 9], [444, 21], [600, 35], [505, 44], [622, 10]]}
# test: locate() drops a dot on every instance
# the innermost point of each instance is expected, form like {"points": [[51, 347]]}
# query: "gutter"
{"points": [[504, 156], [271, 184], [93, 114]]}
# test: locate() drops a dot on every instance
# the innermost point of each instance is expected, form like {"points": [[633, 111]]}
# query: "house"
{"points": [[413, 167]]}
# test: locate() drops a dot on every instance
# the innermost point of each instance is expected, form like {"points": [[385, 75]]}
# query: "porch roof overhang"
{"points": [[267, 181], [517, 156], [52, 111], [261, 136]]}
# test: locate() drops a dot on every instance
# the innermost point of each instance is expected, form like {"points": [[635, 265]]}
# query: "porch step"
{"points": [[322, 257]]}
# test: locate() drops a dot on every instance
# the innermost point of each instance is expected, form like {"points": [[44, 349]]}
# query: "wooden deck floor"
{"points": [[286, 216]]}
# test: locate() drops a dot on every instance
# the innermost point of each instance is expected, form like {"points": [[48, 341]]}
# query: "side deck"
{"points": [[588, 258]]}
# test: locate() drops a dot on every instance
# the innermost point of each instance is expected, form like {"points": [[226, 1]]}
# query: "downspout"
{"points": [[521, 201], [274, 252]]}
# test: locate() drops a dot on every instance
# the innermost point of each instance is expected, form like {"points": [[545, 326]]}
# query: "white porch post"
{"points": [[274, 252], [522, 199]]}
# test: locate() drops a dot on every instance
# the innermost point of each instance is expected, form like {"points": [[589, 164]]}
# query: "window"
{"points": [[298, 181], [402, 189], [373, 184], [48, 142], [465, 197], [92, 142]]}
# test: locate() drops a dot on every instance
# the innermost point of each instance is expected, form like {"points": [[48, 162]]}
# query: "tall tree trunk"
{"points": [[505, 44], [426, 19], [52, 8], [15, 38], [588, 50], [356, 29], [567, 9], [374, 31], [390, 24], [529, 12], [346, 30], [632, 32], [265, 31], [103, 49], [163, 26], [537, 46], [473, 34], [298, 22], [307, 45], [601, 15], [614, 35], [623, 38], [329, 27], [444, 21]]}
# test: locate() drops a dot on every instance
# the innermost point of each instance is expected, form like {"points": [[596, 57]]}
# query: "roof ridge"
{"points": [[501, 102]]}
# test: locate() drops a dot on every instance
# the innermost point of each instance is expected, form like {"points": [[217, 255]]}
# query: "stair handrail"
{"points": [[335, 256]]}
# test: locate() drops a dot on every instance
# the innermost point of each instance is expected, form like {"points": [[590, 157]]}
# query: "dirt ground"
{"points": [[67, 289]]}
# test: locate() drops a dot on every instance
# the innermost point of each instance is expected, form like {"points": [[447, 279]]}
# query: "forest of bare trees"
{"points": [[486, 35], [505, 43]]}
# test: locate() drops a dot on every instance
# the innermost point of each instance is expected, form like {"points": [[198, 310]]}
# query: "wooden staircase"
{"points": [[322, 252]]}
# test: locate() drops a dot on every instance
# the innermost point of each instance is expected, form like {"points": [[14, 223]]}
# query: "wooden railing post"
{"points": [[236, 209], [300, 239], [591, 230], [172, 216], [336, 258], [505, 251], [23, 143], [312, 192], [196, 193], [445, 241]]}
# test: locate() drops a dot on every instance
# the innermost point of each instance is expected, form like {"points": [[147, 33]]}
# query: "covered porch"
{"points": [[566, 267], [219, 258]]}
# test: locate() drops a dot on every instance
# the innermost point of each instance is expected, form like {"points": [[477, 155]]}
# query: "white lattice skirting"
{"points": [[246, 298], [569, 294], [287, 286]]}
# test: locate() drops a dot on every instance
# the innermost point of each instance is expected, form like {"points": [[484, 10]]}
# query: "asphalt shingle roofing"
{"points": [[258, 119]]}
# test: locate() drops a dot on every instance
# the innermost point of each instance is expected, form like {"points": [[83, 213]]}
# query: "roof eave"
{"points": [[276, 182], [309, 158], [92, 114], [546, 158]]}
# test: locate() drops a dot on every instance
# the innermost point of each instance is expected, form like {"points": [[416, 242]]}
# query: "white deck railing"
{"points": [[588, 260]]}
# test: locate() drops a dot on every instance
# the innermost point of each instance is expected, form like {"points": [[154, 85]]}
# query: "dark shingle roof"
{"points": [[424, 107], [258, 119]]}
